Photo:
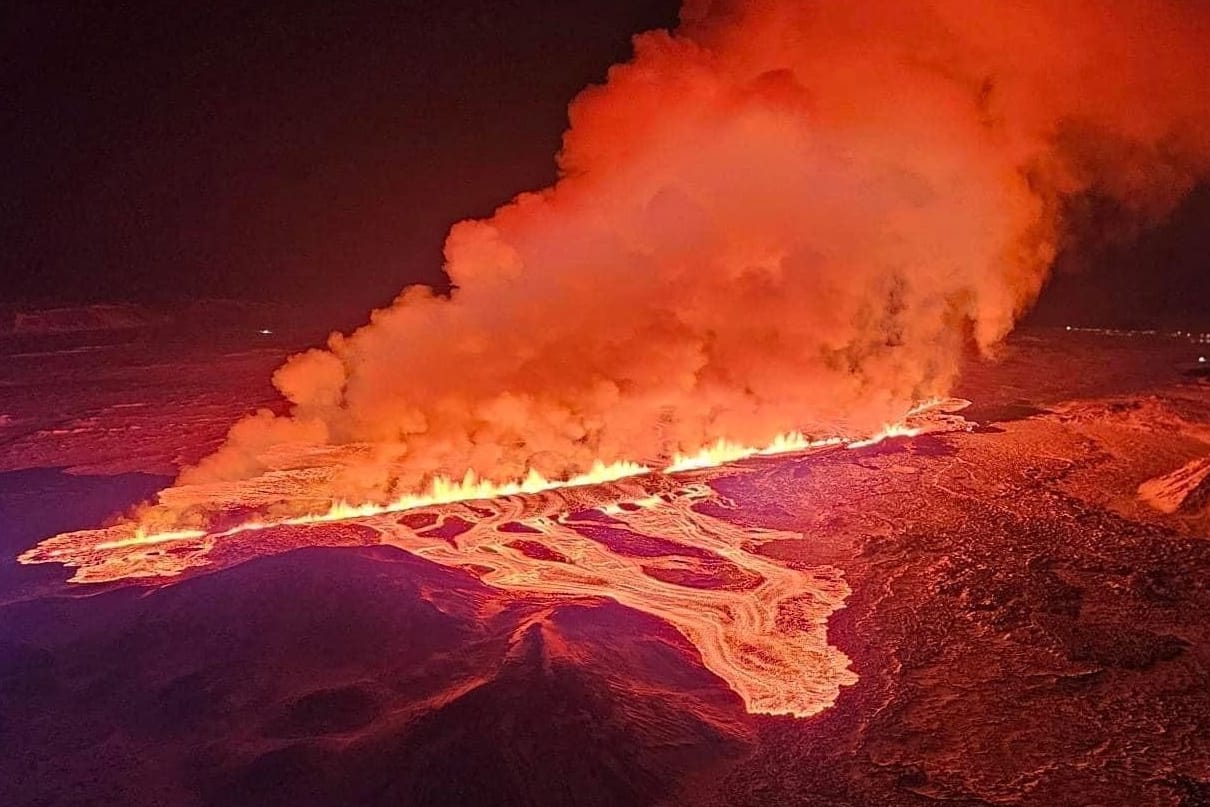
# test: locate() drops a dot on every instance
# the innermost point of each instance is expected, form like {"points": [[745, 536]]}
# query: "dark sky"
{"points": [[318, 152], [293, 151], [1142, 278]]}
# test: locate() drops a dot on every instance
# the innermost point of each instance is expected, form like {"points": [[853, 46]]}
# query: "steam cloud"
{"points": [[782, 215]]}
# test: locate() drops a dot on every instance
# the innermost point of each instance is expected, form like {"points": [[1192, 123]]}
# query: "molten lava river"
{"points": [[658, 542]]}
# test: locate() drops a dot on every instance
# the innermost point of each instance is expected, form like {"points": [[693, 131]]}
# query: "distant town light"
{"points": [[1201, 359], [1069, 327], [265, 332]]}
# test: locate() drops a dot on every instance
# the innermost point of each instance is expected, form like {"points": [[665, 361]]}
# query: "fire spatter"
{"points": [[643, 539]]}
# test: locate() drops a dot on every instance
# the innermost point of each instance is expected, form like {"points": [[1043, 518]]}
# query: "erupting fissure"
{"points": [[443, 490], [757, 624]]}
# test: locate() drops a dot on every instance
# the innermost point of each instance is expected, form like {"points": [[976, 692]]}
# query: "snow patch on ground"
{"points": [[1185, 490]]}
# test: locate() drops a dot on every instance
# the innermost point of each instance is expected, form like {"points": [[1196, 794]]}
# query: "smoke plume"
{"points": [[782, 215]]}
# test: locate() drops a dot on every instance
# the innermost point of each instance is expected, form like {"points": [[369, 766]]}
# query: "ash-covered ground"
{"points": [[1027, 616]]}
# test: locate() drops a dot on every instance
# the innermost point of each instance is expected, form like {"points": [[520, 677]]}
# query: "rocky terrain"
{"points": [[1025, 615]]}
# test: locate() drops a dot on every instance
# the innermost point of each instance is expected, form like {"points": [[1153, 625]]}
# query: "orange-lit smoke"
{"points": [[782, 216]]}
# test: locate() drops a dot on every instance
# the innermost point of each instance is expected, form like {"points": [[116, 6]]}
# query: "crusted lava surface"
{"points": [[1024, 616]]}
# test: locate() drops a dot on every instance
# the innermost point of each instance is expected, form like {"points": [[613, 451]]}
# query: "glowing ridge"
{"points": [[898, 430], [722, 451], [443, 490]]}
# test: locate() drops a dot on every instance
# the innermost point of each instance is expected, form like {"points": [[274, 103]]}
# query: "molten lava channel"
{"points": [[759, 625]]}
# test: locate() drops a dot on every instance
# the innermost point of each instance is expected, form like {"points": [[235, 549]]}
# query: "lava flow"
{"points": [[758, 625], [637, 536]]}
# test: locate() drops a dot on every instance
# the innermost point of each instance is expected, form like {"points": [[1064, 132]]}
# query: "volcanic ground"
{"points": [[1009, 610]]}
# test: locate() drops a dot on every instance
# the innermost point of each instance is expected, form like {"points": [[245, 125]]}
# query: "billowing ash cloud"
{"points": [[782, 215]]}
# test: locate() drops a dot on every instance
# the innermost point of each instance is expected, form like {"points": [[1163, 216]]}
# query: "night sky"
{"points": [[309, 152], [289, 151]]}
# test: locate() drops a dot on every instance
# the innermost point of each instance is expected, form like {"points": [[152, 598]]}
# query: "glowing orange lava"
{"points": [[757, 624]]}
